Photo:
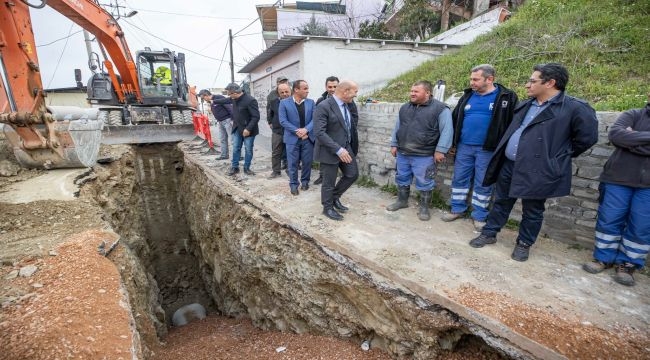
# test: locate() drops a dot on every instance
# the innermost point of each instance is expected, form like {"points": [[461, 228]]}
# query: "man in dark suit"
{"points": [[296, 119], [334, 130], [246, 115]]}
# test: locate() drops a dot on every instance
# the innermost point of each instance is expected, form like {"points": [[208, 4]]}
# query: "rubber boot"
{"points": [[402, 198], [425, 199]]}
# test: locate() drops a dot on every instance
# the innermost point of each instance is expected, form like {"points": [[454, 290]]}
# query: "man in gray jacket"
{"points": [[533, 159]]}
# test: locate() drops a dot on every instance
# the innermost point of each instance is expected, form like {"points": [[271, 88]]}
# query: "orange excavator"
{"points": [[145, 99]]}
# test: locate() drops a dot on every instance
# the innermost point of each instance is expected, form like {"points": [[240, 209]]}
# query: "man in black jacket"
{"points": [[533, 159], [246, 115], [623, 225], [481, 116], [277, 132]]}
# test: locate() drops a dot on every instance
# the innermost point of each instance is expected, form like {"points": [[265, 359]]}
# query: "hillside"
{"points": [[604, 44]]}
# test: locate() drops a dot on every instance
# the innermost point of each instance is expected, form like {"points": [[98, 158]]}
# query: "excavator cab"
{"points": [[162, 114]]}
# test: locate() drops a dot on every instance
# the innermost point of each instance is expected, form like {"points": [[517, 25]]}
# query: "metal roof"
{"points": [[277, 48], [289, 40]]}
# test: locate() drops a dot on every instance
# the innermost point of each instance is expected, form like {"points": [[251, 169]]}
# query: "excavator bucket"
{"points": [[79, 146], [146, 133]]}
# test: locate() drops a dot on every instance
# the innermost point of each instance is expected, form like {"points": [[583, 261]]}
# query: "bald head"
{"points": [[284, 91], [346, 90]]}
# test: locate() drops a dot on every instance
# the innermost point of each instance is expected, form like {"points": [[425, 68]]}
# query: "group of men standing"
{"points": [[323, 131], [518, 149]]}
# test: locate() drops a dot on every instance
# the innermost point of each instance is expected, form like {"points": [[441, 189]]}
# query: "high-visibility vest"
{"points": [[164, 75]]}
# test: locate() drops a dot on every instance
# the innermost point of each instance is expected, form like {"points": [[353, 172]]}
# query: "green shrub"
{"points": [[603, 44]]}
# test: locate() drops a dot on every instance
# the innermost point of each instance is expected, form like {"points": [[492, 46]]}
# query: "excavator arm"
{"points": [[22, 104]]}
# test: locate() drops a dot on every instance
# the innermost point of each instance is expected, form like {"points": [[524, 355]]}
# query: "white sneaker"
{"points": [[478, 225]]}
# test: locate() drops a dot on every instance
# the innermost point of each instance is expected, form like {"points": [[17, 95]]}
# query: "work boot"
{"points": [[482, 240], [232, 171], [425, 199], [520, 252], [624, 274], [595, 266], [402, 198]]}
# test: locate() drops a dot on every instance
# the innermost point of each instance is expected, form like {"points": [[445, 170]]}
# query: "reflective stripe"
{"points": [[607, 237], [636, 246], [606, 245], [482, 204], [481, 197], [459, 191], [634, 255], [459, 197]]}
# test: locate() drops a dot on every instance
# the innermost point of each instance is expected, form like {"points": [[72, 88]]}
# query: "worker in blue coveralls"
{"points": [[623, 225], [481, 117]]}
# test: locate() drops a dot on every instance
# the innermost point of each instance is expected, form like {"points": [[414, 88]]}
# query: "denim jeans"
{"points": [[532, 210], [471, 163], [225, 128], [422, 168], [237, 141], [623, 225], [300, 153]]}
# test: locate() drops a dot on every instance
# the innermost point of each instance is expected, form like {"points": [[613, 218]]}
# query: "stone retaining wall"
{"points": [[568, 219]]}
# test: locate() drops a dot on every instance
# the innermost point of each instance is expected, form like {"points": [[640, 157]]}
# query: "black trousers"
{"points": [[277, 150], [532, 210], [331, 189]]}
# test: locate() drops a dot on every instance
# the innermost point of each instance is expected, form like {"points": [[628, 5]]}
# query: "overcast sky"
{"points": [[197, 28]]}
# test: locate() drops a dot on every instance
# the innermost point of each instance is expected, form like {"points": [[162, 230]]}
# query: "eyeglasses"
{"points": [[533, 81]]}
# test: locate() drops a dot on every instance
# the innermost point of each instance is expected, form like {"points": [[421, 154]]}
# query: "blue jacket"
{"points": [[565, 129], [290, 120]]}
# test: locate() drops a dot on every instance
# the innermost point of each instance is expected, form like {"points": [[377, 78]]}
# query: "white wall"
{"points": [[264, 77], [67, 99], [367, 63]]}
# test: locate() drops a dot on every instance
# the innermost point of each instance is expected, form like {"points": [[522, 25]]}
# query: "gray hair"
{"points": [[487, 69]]}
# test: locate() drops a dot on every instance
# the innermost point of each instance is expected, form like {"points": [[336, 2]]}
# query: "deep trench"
{"points": [[163, 269]]}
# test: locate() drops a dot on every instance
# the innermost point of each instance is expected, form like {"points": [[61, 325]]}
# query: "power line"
{"points": [[176, 45], [63, 38], [61, 56], [221, 63]]}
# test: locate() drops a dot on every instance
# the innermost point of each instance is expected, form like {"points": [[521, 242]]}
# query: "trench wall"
{"points": [[568, 219], [254, 263]]}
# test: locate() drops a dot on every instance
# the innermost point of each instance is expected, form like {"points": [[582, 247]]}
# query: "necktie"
{"points": [[346, 117]]}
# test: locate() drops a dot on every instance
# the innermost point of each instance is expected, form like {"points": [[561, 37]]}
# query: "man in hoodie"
{"points": [[623, 225], [223, 114]]}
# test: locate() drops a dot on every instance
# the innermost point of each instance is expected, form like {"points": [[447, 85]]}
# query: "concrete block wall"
{"points": [[569, 219]]}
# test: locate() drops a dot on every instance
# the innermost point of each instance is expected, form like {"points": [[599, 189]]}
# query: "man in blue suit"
{"points": [[295, 117]]}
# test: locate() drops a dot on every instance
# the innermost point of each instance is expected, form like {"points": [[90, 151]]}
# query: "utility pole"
{"points": [[232, 64]]}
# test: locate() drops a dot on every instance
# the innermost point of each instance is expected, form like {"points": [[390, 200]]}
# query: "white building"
{"points": [[369, 62], [342, 18]]}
